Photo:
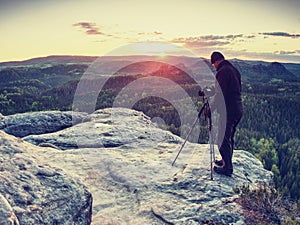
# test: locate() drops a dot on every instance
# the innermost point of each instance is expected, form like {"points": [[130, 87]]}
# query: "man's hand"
{"points": [[207, 91], [201, 93]]}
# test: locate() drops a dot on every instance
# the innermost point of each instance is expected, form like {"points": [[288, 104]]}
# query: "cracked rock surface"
{"points": [[33, 192], [125, 161], [24, 124]]}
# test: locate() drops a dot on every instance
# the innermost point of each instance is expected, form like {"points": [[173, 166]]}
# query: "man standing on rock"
{"points": [[228, 90]]}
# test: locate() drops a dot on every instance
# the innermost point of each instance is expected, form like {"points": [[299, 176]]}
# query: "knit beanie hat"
{"points": [[215, 56]]}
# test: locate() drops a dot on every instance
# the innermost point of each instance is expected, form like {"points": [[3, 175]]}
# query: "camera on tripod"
{"points": [[206, 113], [207, 91]]}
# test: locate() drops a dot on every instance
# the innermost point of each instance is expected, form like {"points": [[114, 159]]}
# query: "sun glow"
{"points": [[162, 55], [160, 49]]}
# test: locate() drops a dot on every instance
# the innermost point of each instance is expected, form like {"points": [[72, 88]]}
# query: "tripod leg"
{"points": [[194, 124], [211, 155], [185, 141], [213, 146]]}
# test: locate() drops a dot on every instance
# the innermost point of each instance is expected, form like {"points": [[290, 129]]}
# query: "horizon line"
{"points": [[139, 55]]}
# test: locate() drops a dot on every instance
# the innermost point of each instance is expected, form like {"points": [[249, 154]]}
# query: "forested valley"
{"points": [[271, 97]]}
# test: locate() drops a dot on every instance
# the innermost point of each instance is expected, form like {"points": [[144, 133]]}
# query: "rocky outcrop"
{"points": [[24, 124], [104, 129], [33, 192], [125, 161], [7, 215]]}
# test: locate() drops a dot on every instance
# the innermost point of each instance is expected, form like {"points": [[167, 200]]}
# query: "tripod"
{"points": [[205, 111]]}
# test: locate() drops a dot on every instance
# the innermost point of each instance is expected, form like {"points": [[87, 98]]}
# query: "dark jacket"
{"points": [[228, 86]]}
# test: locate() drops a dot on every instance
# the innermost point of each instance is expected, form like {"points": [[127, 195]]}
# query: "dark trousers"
{"points": [[226, 131]]}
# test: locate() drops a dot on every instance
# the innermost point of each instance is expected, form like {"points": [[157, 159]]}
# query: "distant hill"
{"points": [[50, 61], [293, 68], [266, 72], [250, 69], [53, 79], [51, 76]]}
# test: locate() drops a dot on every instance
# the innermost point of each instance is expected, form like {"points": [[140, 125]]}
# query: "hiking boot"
{"points": [[219, 162], [224, 171]]}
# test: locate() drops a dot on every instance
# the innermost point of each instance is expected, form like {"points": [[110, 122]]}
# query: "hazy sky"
{"points": [[258, 29]]}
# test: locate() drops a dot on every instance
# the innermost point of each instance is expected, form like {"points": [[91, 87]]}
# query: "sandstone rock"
{"points": [[35, 192], [7, 215], [106, 129], [125, 160], [23, 124]]}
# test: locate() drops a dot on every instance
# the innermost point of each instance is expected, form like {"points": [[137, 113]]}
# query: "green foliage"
{"points": [[271, 116], [276, 173], [289, 166], [264, 149]]}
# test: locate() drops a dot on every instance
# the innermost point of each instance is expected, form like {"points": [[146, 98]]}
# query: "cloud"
{"points": [[86, 25], [221, 37], [280, 34], [279, 56], [208, 40], [250, 36], [199, 44], [150, 33], [157, 33], [295, 52], [94, 31], [90, 28]]}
